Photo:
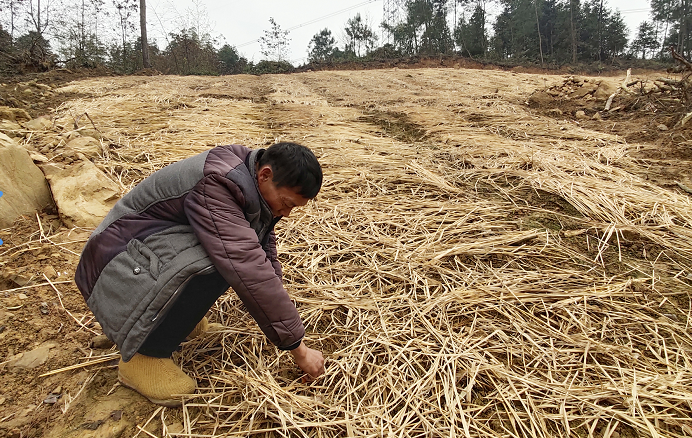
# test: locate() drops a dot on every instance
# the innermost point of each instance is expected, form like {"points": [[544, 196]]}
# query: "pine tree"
{"points": [[361, 38], [321, 47], [645, 40]]}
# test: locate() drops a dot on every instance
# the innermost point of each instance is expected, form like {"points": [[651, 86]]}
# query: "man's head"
{"points": [[288, 175]]}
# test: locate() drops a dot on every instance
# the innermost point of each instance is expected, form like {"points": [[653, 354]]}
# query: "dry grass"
{"points": [[469, 269]]}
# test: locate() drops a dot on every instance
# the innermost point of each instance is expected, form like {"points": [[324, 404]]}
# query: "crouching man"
{"points": [[175, 243]]}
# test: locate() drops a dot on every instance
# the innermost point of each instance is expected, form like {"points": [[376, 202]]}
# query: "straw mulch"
{"points": [[469, 269]]}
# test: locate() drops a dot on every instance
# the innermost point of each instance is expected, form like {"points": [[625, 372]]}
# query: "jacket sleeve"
{"points": [[272, 253], [214, 210]]}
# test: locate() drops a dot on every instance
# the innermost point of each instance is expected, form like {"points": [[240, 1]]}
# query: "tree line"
{"points": [[42, 34], [537, 31]]}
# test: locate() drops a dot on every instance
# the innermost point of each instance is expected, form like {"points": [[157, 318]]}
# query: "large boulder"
{"points": [[23, 185], [603, 91], [82, 193]]}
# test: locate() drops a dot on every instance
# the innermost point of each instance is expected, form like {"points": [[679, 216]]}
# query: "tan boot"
{"points": [[159, 380], [204, 326]]}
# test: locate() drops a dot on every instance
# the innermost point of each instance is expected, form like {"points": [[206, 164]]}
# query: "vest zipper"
{"points": [[171, 299]]}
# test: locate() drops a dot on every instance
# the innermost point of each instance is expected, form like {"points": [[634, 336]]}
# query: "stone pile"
{"points": [[59, 173]]}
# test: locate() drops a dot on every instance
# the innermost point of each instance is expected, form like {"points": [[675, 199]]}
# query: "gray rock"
{"points": [[101, 342], [32, 359], [51, 399]]}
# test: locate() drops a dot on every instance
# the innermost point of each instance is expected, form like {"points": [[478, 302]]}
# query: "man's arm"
{"points": [[214, 210]]}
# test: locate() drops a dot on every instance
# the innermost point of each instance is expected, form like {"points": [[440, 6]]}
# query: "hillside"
{"points": [[479, 263]]}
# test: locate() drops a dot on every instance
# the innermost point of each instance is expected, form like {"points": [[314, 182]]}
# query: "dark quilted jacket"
{"points": [[201, 214]]}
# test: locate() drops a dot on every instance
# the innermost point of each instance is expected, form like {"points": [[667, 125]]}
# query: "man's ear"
{"points": [[265, 174]]}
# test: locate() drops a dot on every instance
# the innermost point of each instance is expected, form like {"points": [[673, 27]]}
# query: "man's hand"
{"points": [[309, 360]]}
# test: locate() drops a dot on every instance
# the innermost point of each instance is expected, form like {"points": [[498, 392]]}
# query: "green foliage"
{"points": [[424, 31], [321, 47], [79, 45], [645, 40], [230, 61], [33, 52], [569, 31], [189, 54], [471, 36], [436, 37], [268, 67], [388, 51], [274, 43], [615, 36], [516, 34], [124, 59], [404, 36], [361, 38], [6, 52], [677, 17], [82, 50]]}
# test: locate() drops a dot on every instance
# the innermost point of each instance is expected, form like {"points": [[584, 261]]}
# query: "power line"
{"points": [[632, 11], [313, 21]]}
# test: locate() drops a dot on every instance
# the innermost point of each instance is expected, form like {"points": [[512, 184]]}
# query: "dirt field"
{"points": [[476, 265]]}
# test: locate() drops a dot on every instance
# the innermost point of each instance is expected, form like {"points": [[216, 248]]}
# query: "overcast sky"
{"points": [[241, 23]]}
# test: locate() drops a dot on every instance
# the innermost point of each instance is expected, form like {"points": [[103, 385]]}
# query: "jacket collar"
{"points": [[266, 215]]}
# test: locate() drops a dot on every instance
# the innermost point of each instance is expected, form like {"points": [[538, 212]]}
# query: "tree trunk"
{"points": [[12, 14], [684, 30], [38, 17], [538, 28], [143, 28], [82, 36], [574, 32], [484, 40], [600, 34]]}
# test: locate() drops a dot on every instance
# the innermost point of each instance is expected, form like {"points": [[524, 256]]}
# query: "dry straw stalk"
{"points": [[469, 269]]}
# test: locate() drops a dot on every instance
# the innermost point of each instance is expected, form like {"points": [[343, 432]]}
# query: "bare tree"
{"points": [[274, 43], [13, 9], [538, 29], [125, 9], [143, 29], [39, 15]]}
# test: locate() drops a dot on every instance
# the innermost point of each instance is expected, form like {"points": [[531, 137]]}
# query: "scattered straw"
{"points": [[469, 269], [89, 363]]}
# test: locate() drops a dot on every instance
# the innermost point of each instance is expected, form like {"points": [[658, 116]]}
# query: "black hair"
{"points": [[293, 165]]}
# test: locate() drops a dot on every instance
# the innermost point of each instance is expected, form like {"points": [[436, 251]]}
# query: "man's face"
{"points": [[281, 200]]}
